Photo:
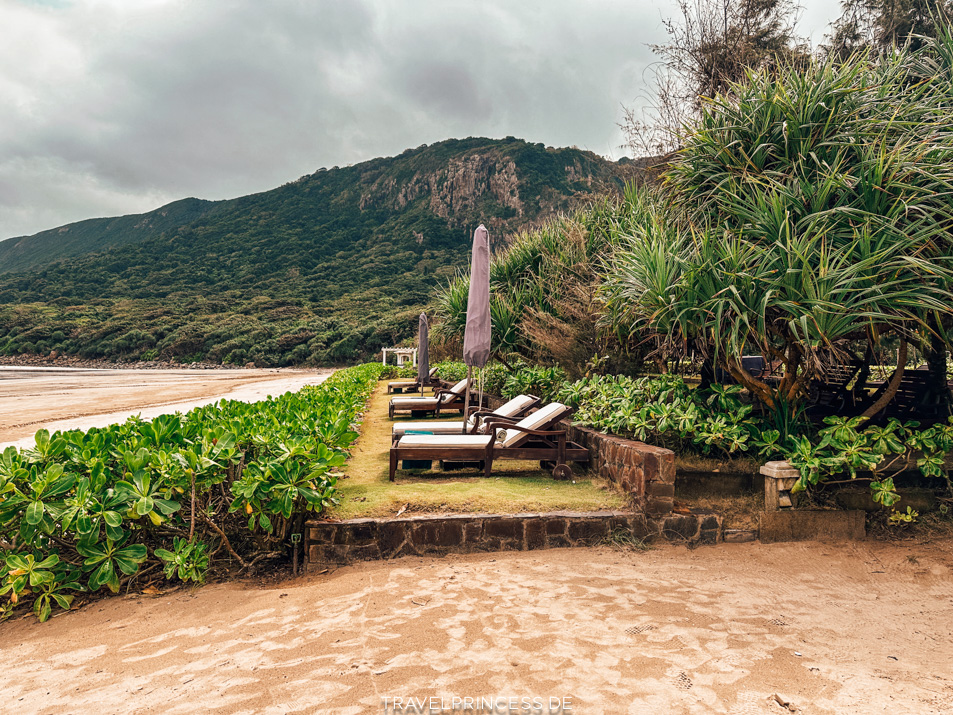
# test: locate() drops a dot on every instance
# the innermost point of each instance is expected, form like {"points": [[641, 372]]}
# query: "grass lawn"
{"points": [[514, 487]]}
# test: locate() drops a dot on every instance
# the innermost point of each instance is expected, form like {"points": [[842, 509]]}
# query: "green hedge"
{"points": [[86, 510]]}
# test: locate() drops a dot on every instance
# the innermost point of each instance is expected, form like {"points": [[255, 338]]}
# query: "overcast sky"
{"points": [[110, 107]]}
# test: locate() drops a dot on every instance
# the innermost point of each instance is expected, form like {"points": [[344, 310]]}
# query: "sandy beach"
{"points": [[33, 398], [736, 629]]}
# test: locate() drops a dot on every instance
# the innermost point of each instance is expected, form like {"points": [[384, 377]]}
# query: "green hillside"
{"points": [[320, 270], [96, 234]]}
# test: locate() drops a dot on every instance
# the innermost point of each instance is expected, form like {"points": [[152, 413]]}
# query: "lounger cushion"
{"points": [[444, 427], [417, 403], [445, 441], [537, 420], [421, 403], [508, 409], [514, 406]]}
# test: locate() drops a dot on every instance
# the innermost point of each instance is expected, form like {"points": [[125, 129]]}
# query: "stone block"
{"points": [[321, 532], [535, 534], [740, 536], [660, 489], [504, 529], [709, 536], [556, 541], [555, 525], [811, 525], [680, 527], [922, 500], [392, 536], [366, 552], [472, 531], [363, 531], [620, 522], [658, 507], [780, 470], [588, 531], [336, 553], [441, 533], [710, 521]]}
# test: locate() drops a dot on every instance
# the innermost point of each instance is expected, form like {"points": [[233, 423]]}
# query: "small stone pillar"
{"points": [[779, 479]]}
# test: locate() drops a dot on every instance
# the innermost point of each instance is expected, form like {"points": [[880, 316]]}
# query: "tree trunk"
{"points": [[864, 373], [892, 386], [939, 392], [755, 386]]}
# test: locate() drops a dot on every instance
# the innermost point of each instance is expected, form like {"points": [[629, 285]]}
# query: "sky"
{"points": [[112, 107]]}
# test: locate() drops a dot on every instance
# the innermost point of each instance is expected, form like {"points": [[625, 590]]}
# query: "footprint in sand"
{"points": [[683, 682]]}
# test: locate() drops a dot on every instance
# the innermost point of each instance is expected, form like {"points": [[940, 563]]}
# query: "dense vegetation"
{"points": [[806, 219], [322, 270], [231, 481], [544, 289]]}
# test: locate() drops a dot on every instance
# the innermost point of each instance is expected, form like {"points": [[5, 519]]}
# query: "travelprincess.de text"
{"points": [[511, 705]]}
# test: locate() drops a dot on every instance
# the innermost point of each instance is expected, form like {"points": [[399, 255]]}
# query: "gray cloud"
{"points": [[116, 107]]}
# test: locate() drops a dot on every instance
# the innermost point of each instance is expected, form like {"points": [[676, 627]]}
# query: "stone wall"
{"points": [[645, 472], [329, 542]]}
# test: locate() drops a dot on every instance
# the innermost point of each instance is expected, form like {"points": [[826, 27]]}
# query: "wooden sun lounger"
{"points": [[914, 398], [514, 410], [442, 400], [412, 384], [535, 438]]}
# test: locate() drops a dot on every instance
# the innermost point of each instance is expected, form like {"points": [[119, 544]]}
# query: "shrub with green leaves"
{"points": [[843, 448], [85, 510], [663, 410]]}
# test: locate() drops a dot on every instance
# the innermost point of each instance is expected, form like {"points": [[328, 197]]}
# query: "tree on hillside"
{"points": [[711, 45], [885, 24]]}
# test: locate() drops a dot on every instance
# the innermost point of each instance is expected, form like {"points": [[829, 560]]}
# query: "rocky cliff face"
{"points": [[455, 190]]}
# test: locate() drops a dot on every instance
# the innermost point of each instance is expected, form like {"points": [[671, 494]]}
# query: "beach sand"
{"points": [[741, 629]]}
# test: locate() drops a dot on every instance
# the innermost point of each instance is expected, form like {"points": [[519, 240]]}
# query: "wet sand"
{"points": [[33, 398], [736, 629]]}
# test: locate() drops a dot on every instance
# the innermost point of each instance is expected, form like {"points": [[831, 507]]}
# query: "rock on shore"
{"points": [[56, 360]]}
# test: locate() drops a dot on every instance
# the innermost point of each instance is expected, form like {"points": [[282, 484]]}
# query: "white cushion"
{"points": [[445, 441], [458, 389], [514, 406], [542, 416], [445, 427], [417, 403], [422, 402]]}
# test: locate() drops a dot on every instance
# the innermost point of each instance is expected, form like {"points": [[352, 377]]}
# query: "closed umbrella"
{"points": [[423, 352], [476, 336]]}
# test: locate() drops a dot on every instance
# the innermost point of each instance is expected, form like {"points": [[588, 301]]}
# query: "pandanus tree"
{"points": [[544, 287], [806, 213]]}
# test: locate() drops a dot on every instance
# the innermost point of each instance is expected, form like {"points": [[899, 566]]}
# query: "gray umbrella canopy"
{"points": [[423, 352], [476, 336]]}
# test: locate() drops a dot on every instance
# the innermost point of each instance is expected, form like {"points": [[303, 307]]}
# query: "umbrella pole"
{"points": [[480, 402], [466, 404]]}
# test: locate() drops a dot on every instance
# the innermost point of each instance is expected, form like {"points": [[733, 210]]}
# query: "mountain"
{"points": [[322, 270], [96, 234]]}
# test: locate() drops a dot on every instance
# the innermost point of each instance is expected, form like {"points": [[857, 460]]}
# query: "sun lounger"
{"points": [[536, 437], [411, 384], [513, 410], [442, 400]]}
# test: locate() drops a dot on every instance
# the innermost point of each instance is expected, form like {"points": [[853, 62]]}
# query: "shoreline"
{"points": [[64, 397], [54, 360]]}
